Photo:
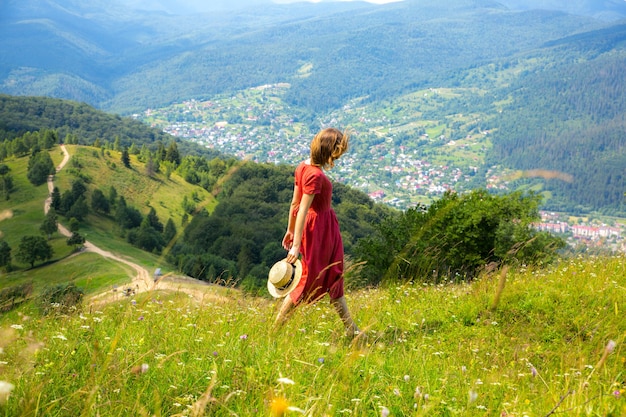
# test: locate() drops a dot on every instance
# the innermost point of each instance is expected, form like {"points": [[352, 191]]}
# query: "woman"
{"points": [[313, 230]]}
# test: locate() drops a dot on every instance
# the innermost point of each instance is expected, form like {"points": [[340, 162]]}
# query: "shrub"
{"points": [[456, 237], [12, 297], [61, 298]]}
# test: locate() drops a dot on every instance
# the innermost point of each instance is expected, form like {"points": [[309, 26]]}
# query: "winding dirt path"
{"points": [[142, 282]]}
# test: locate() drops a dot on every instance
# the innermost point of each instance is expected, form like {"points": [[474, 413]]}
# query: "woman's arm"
{"points": [[305, 204], [291, 222]]}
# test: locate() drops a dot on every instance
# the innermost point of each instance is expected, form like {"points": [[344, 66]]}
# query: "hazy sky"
{"points": [[318, 1]]}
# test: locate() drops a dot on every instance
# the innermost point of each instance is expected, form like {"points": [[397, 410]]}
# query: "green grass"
{"points": [[431, 351], [88, 271], [26, 205]]}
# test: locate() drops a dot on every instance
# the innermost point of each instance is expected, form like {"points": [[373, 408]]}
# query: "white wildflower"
{"points": [[5, 391]]}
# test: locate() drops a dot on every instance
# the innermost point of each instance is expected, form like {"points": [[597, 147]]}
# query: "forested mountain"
{"points": [[124, 61], [573, 124]]}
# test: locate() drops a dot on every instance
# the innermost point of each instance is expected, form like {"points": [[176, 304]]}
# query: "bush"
{"points": [[12, 297], [61, 298], [456, 237]]}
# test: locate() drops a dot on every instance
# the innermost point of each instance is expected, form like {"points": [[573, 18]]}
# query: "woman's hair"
{"points": [[327, 146]]}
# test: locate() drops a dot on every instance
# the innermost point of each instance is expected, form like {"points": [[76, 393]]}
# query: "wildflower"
{"points": [[60, 337], [243, 337], [617, 393], [214, 353], [407, 378], [320, 360], [384, 412], [140, 369], [463, 368], [140, 318], [533, 371], [5, 391], [610, 347], [396, 392], [17, 326], [286, 381], [278, 407], [473, 396]]}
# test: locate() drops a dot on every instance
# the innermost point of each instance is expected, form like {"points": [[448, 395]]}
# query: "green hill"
{"points": [[99, 170]]}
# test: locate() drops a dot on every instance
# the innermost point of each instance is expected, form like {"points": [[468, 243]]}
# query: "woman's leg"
{"points": [[285, 309], [341, 306]]}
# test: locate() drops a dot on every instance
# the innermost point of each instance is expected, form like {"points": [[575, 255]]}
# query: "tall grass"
{"points": [[551, 345]]}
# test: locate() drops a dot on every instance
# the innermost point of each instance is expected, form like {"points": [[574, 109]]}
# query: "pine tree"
{"points": [[50, 224], [125, 158]]}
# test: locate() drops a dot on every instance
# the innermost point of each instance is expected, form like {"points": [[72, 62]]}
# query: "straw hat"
{"points": [[284, 277]]}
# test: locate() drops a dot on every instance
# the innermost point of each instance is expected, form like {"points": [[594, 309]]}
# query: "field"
{"points": [[524, 342]]}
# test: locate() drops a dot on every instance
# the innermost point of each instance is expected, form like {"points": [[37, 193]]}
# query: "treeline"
{"points": [[80, 124], [575, 125]]}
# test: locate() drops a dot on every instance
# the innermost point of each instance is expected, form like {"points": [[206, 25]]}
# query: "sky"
{"points": [[317, 1]]}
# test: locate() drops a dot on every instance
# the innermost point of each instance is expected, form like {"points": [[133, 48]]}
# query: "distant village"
{"points": [[588, 234]]}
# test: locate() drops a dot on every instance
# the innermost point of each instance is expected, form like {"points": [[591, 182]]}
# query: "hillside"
{"points": [[550, 342]]}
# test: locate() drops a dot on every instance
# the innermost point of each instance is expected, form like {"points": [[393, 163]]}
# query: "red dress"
{"points": [[321, 247]]}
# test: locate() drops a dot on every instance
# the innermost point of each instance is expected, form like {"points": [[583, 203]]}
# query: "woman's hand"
{"points": [[293, 254], [288, 240]]}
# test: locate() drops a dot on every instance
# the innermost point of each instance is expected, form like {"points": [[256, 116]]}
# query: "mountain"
{"points": [[125, 60], [609, 10]]}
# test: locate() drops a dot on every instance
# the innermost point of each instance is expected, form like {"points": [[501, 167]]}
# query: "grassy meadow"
{"points": [[524, 342]]}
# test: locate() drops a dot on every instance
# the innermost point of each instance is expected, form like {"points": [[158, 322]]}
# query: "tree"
{"points": [[112, 196], [147, 238], [151, 166], [56, 198], [79, 209], [49, 139], [32, 249], [78, 189], [99, 202], [5, 254], [170, 230], [172, 154], [40, 166], [153, 220], [75, 240], [50, 224], [125, 158], [6, 181], [74, 225], [127, 217]]}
